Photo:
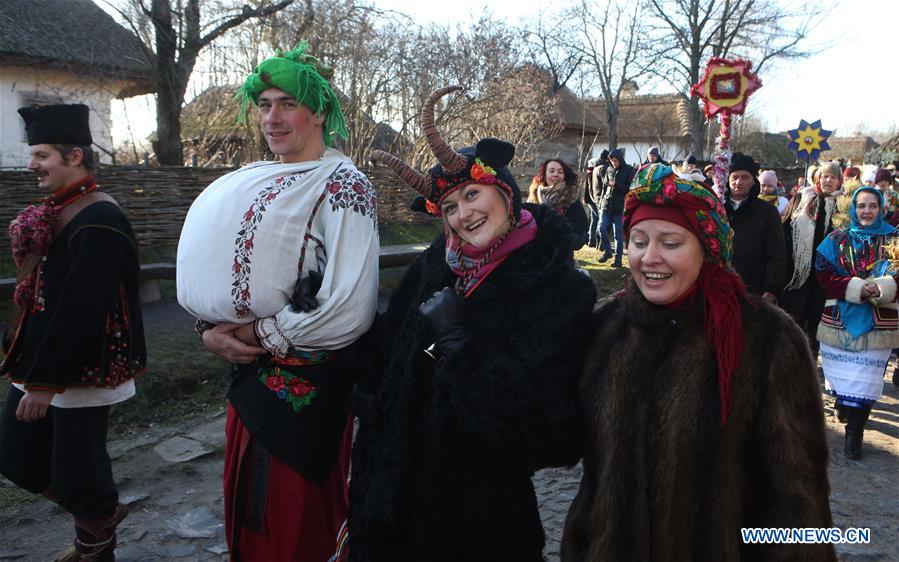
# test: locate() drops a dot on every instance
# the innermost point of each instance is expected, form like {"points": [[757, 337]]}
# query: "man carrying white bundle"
{"points": [[279, 262]]}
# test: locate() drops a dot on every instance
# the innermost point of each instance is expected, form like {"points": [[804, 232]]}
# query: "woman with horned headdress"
{"points": [[475, 390]]}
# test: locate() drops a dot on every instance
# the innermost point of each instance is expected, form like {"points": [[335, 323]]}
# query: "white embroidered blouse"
{"points": [[250, 234]]}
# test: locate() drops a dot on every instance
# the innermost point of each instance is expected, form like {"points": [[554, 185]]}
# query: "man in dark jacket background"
{"points": [[760, 254], [590, 203], [597, 189], [618, 181]]}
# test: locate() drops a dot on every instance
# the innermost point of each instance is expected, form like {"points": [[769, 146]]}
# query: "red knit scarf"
{"points": [[722, 290], [31, 234]]}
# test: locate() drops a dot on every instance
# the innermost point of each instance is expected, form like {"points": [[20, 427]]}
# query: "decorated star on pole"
{"points": [[808, 140], [726, 86]]}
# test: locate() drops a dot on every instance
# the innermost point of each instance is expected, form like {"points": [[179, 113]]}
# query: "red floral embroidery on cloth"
{"points": [[121, 366], [349, 189], [297, 391], [243, 245]]}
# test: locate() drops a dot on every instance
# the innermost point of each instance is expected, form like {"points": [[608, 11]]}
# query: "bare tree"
{"points": [[696, 30], [611, 37], [366, 48], [547, 48], [385, 65], [178, 36], [439, 56], [520, 107]]}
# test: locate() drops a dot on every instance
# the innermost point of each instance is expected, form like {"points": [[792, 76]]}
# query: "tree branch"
{"points": [[246, 13]]}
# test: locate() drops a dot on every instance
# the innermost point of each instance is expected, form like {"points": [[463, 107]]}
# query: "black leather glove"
{"points": [[445, 313], [303, 298]]}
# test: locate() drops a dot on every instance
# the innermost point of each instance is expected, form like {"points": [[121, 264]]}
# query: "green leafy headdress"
{"points": [[302, 76]]}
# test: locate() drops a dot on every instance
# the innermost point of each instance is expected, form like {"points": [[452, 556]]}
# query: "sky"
{"points": [[851, 84]]}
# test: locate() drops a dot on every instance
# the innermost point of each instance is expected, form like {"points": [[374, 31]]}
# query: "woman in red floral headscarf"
{"points": [[697, 425]]}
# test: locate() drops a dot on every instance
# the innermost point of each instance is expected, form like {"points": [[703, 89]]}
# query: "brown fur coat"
{"points": [[662, 480]]}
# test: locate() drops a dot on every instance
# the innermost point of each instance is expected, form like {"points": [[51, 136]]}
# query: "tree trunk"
{"points": [[612, 122], [176, 54], [168, 130], [168, 102], [697, 119]]}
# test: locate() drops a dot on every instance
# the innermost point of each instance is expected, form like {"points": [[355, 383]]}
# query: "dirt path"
{"points": [[176, 504]]}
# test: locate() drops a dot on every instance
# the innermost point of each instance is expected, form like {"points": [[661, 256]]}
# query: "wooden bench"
{"points": [[152, 273]]}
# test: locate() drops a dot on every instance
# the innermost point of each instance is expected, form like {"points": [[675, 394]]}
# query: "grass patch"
{"points": [[182, 380], [7, 268], [162, 253], [11, 495], [389, 279], [168, 290], [608, 279], [392, 234]]}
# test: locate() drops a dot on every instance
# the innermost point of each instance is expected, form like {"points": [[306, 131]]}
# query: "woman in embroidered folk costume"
{"points": [[279, 261], [698, 425], [807, 222], [451, 433], [555, 185], [857, 268], [77, 340]]}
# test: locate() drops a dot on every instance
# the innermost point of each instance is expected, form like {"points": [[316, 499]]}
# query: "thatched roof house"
{"points": [[889, 150], [571, 130], [64, 51], [645, 121], [849, 149]]}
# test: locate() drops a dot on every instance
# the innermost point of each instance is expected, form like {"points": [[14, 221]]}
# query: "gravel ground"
{"points": [[176, 504]]}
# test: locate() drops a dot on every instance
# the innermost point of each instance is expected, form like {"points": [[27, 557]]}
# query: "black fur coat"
{"points": [[445, 449], [662, 480]]}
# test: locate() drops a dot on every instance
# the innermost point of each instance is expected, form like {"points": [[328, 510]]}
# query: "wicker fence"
{"points": [[156, 199]]}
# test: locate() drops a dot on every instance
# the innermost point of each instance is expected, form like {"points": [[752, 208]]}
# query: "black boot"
{"points": [[896, 376], [840, 413], [604, 258], [95, 539], [856, 418]]}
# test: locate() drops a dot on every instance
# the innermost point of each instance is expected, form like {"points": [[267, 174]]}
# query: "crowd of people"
{"points": [[692, 396], [822, 256]]}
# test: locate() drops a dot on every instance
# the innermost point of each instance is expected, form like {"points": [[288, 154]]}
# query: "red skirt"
{"points": [[302, 520]]}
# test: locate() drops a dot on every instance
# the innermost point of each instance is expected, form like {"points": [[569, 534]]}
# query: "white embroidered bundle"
{"points": [[250, 234]]}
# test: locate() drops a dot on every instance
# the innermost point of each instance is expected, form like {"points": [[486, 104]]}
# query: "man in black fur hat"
{"points": [[760, 254], [77, 341]]}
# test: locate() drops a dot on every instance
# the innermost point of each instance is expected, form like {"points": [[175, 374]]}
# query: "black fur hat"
{"points": [[57, 124], [740, 161]]}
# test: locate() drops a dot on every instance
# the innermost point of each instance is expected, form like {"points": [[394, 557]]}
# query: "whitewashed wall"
{"points": [[635, 152], [18, 85]]}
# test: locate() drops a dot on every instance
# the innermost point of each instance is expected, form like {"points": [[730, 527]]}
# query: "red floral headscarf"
{"points": [[659, 193]]}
